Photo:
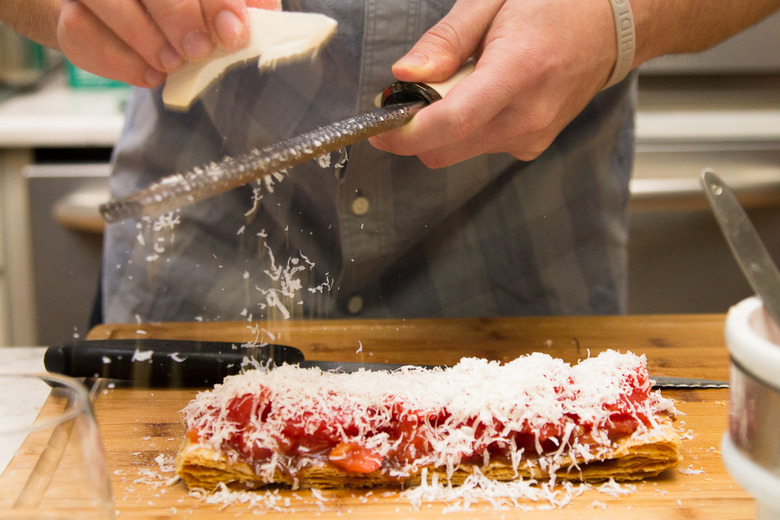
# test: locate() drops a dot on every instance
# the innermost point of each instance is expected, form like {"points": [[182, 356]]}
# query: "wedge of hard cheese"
{"points": [[275, 36]]}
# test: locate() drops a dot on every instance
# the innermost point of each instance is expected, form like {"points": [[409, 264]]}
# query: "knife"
{"points": [[161, 362], [189, 364], [745, 244], [398, 104], [659, 382]]}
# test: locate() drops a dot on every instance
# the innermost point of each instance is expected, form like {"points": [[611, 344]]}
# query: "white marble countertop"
{"points": [[21, 359], [24, 404]]}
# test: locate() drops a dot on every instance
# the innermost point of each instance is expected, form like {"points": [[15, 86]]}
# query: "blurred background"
{"points": [[719, 109]]}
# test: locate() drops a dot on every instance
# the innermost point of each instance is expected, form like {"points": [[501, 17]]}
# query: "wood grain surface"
{"points": [[142, 427]]}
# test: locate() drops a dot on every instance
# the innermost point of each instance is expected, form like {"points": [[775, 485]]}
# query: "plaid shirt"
{"points": [[382, 236]]}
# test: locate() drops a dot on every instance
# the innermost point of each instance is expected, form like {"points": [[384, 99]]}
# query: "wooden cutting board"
{"points": [[142, 427]]}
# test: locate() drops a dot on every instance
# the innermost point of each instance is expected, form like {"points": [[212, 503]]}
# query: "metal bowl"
{"points": [[751, 446]]}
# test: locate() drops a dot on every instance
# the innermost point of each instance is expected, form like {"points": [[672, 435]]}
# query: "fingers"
{"points": [[443, 133], [449, 43], [130, 22], [94, 46], [459, 120], [194, 27], [500, 136], [140, 41], [530, 81], [273, 5]]}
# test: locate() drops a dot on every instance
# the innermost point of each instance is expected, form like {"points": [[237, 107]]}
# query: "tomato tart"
{"points": [[535, 417]]}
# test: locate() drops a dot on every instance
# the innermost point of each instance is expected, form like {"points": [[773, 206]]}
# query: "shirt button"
{"points": [[360, 206], [355, 304]]}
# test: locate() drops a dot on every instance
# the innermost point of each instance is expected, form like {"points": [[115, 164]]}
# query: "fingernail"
{"points": [[414, 60], [196, 45], [153, 77], [230, 29], [170, 59]]}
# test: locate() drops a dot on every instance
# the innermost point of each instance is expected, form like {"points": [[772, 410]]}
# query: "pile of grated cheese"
{"points": [[484, 402]]}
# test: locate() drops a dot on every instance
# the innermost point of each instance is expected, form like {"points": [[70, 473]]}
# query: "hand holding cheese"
{"points": [[141, 41], [274, 36]]}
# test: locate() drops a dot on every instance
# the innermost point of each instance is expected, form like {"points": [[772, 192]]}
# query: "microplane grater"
{"points": [[179, 190], [397, 105]]}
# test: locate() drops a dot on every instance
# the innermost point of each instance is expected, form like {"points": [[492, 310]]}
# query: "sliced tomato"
{"points": [[249, 449], [193, 435], [413, 443], [254, 451], [621, 424], [243, 408], [354, 458], [240, 409], [313, 444]]}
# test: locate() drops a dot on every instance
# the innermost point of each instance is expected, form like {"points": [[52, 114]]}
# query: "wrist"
{"points": [[34, 19], [625, 38]]}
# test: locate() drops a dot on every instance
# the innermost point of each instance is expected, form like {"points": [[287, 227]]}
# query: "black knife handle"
{"points": [[162, 363]]}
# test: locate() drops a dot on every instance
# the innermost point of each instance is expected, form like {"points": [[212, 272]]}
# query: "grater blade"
{"points": [[176, 191]]}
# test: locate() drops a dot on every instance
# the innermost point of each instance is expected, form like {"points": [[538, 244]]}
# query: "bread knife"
{"points": [[152, 362], [398, 104], [659, 382]]}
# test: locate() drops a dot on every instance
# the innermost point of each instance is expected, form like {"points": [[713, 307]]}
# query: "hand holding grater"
{"points": [[399, 103]]}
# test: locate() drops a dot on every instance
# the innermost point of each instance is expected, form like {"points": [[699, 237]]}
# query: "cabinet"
{"points": [[16, 318], [4, 331], [51, 117]]}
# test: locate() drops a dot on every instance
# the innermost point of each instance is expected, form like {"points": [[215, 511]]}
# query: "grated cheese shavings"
{"points": [[458, 410]]}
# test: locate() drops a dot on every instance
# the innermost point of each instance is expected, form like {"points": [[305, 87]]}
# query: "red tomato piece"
{"points": [[354, 458], [312, 444], [193, 435], [621, 424], [240, 409], [244, 407]]}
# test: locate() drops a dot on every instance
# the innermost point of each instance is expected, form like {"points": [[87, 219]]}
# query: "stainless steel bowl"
{"points": [[754, 415], [23, 63], [751, 446]]}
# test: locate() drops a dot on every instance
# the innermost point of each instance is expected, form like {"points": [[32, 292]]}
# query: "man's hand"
{"points": [[140, 41], [540, 62]]}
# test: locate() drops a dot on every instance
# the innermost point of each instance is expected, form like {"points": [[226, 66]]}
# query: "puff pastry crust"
{"points": [[642, 455]]}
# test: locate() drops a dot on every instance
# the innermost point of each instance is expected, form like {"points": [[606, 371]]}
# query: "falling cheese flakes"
{"points": [[282, 286]]}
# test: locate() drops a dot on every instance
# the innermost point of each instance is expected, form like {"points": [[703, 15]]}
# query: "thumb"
{"points": [[440, 52], [273, 5]]}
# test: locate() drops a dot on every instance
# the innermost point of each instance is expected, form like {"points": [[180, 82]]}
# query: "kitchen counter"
{"points": [[50, 116], [691, 109], [683, 125], [142, 428], [26, 402], [701, 110], [55, 115]]}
